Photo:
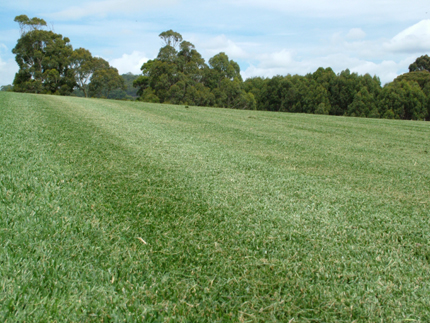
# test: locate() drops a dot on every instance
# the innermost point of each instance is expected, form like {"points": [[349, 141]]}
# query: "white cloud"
{"points": [[106, 7], [129, 63], [7, 71], [355, 43], [281, 59], [8, 67], [279, 63], [284, 62], [411, 40], [269, 36], [387, 70], [371, 9], [222, 44], [356, 33]]}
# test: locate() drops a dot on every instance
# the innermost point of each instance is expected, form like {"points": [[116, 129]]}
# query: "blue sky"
{"points": [[266, 37]]}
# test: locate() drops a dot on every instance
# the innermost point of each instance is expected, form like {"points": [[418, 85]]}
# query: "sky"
{"points": [[266, 37]]}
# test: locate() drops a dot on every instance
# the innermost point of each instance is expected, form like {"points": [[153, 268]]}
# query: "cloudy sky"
{"points": [[266, 37]]}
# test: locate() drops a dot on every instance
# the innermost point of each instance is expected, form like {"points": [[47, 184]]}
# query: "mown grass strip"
{"points": [[245, 215]]}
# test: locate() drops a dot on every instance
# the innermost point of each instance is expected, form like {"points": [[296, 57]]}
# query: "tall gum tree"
{"points": [[83, 65], [179, 75], [43, 58]]}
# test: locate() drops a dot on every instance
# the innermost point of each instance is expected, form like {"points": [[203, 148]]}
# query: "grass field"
{"points": [[123, 211]]}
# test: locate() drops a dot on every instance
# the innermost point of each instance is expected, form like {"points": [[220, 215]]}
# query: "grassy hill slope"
{"points": [[113, 211]]}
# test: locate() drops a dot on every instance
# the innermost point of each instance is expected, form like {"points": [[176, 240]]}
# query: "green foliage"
{"points": [[199, 95], [8, 88], [343, 91], [26, 24], [104, 81], [129, 79], [254, 85], [221, 68], [322, 92], [403, 100], [141, 83], [224, 79], [43, 58], [420, 77], [48, 64], [179, 75], [171, 38], [421, 64], [83, 65], [268, 93], [149, 95], [182, 77], [363, 105], [317, 97], [322, 108], [128, 92]]}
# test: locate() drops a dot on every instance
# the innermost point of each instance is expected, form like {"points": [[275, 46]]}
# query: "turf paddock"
{"points": [[128, 211]]}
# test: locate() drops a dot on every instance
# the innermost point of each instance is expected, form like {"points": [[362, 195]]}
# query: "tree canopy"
{"points": [[43, 58], [171, 38], [422, 63], [26, 24], [48, 64], [179, 75]]}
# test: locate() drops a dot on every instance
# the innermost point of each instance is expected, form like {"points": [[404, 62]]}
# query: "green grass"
{"points": [[247, 216]]}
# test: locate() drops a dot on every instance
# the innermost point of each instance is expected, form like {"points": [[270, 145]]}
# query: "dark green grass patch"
{"points": [[126, 211]]}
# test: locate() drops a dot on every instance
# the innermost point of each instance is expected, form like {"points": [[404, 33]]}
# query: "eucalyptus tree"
{"points": [[363, 105], [83, 65], [105, 79], [177, 69], [224, 79], [255, 85], [26, 24], [403, 100], [179, 75], [421, 77], [171, 38], [221, 67], [422, 63], [43, 58]]}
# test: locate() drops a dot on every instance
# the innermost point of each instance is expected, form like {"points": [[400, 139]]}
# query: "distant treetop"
{"points": [[26, 24], [171, 38], [421, 63]]}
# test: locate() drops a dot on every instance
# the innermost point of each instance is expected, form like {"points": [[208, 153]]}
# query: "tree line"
{"points": [[346, 93], [179, 75]]}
